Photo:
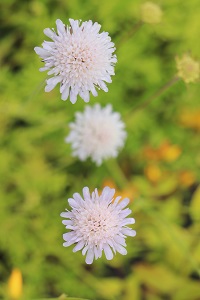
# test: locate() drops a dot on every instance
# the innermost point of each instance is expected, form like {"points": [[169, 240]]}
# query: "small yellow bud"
{"points": [[153, 173], [186, 178], [15, 284], [188, 68], [62, 297], [170, 152], [151, 13]]}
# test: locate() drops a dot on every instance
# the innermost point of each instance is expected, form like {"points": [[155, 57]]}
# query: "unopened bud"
{"points": [[151, 13]]}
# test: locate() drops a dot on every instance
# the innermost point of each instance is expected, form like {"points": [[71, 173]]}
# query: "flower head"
{"points": [[97, 223], [97, 133], [188, 68], [151, 13], [79, 58]]}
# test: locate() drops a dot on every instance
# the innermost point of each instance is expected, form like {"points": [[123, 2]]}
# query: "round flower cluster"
{"points": [[97, 223], [79, 57], [97, 133]]}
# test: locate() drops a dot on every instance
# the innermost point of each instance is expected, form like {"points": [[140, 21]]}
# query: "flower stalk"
{"points": [[157, 94], [116, 172], [129, 34]]}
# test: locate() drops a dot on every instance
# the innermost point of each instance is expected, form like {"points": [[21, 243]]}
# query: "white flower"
{"points": [[97, 133], [97, 223], [80, 58]]}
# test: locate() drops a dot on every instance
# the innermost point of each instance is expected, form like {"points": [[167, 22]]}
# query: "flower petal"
{"points": [[41, 52], [120, 249], [86, 193], [89, 256], [52, 82], [65, 93], [79, 246], [73, 203], [107, 194], [123, 203], [73, 97], [127, 221], [60, 26], [129, 231], [108, 252]]}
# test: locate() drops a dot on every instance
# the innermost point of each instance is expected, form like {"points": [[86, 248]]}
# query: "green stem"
{"points": [[116, 172], [163, 222], [157, 94], [36, 90], [163, 89], [130, 33]]}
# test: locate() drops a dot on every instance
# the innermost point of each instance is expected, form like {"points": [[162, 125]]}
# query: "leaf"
{"points": [[132, 288], [155, 275], [190, 291], [109, 288], [195, 205]]}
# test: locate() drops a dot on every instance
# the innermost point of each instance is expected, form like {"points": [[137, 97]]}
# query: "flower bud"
{"points": [[151, 13]]}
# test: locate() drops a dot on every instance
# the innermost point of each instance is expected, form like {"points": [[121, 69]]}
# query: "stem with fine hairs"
{"points": [[157, 94], [130, 33], [116, 173]]}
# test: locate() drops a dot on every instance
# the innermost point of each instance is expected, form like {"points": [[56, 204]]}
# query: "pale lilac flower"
{"points": [[79, 57], [97, 133], [97, 223]]}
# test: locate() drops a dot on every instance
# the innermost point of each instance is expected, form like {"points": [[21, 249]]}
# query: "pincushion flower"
{"points": [[188, 69], [97, 223], [79, 57], [97, 133]]}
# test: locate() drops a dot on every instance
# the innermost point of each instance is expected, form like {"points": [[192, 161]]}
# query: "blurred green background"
{"points": [[158, 167]]}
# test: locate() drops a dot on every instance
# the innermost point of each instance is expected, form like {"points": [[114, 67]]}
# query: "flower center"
{"points": [[74, 57], [96, 225]]}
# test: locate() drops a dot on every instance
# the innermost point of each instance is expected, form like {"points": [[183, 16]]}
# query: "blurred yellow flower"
{"points": [[151, 13], [170, 152], [151, 154], [190, 119], [187, 68], [130, 191], [186, 178], [166, 151], [153, 173], [62, 297], [15, 284]]}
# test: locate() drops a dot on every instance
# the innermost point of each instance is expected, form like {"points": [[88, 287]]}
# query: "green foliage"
{"points": [[159, 166]]}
